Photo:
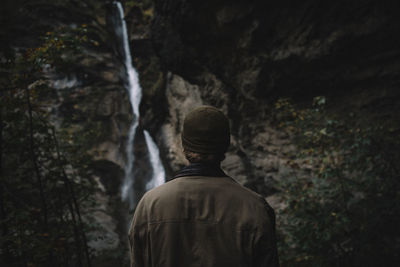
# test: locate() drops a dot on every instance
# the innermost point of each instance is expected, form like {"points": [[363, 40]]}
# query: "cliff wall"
{"points": [[242, 56]]}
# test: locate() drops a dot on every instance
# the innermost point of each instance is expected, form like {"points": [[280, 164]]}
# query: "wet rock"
{"points": [[242, 56], [181, 97]]}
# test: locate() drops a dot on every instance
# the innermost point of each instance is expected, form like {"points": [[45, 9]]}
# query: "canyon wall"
{"points": [[242, 56]]}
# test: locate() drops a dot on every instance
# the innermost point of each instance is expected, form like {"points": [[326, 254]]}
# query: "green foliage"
{"points": [[58, 48], [342, 197], [44, 182]]}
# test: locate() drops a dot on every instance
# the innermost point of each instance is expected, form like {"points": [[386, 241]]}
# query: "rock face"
{"points": [[256, 153], [268, 49], [241, 56]]}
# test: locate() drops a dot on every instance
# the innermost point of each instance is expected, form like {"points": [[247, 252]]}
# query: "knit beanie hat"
{"points": [[206, 131]]}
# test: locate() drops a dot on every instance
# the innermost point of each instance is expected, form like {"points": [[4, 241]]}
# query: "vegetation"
{"points": [[44, 176], [342, 196], [146, 5]]}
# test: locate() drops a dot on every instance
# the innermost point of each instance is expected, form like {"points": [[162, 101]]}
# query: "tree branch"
{"points": [[74, 204]]}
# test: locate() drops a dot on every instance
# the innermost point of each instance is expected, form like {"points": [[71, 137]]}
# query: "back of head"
{"points": [[206, 131]]}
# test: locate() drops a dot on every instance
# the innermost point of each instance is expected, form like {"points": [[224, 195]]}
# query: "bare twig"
{"points": [[3, 212], [34, 160], [74, 204]]}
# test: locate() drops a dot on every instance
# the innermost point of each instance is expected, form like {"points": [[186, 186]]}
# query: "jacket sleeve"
{"points": [[136, 250], [136, 244], [265, 248]]}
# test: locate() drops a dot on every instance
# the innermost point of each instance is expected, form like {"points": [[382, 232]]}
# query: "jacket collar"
{"points": [[201, 169]]}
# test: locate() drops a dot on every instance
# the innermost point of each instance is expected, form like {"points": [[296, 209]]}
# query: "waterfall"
{"points": [[135, 95], [158, 177]]}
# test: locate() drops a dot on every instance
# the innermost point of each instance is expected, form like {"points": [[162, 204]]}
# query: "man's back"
{"points": [[203, 221]]}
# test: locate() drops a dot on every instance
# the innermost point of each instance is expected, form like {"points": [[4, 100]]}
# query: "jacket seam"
{"points": [[148, 224]]}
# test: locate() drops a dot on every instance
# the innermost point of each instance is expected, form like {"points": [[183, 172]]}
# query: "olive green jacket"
{"points": [[203, 221]]}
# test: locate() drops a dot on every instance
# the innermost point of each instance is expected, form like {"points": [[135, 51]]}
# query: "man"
{"points": [[203, 217]]}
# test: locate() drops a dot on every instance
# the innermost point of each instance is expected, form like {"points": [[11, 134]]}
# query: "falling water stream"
{"points": [[135, 95], [158, 177]]}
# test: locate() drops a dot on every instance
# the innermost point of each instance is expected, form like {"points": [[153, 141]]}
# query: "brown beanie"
{"points": [[206, 130]]}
